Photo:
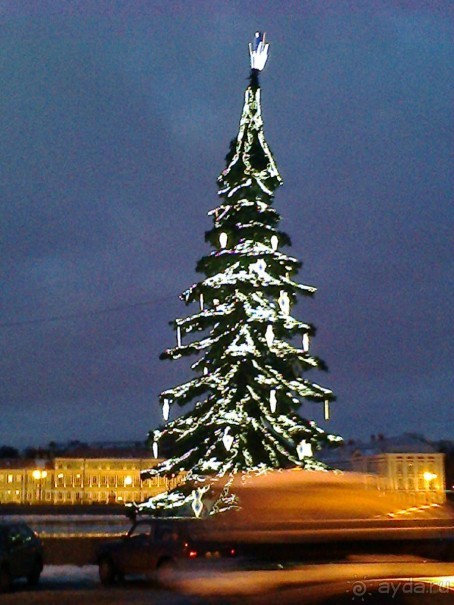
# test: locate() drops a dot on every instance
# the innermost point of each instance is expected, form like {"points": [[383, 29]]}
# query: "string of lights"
{"points": [[84, 314]]}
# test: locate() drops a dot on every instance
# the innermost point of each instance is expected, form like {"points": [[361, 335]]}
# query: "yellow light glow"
{"points": [[429, 476], [443, 581], [37, 474], [128, 480]]}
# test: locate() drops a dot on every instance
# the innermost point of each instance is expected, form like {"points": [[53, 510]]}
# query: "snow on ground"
{"points": [[70, 573]]}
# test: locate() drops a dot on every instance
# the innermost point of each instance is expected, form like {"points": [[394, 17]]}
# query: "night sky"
{"points": [[115, 120]]}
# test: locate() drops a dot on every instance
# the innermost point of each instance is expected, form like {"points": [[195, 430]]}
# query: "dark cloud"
{"points": [[115, 119]]}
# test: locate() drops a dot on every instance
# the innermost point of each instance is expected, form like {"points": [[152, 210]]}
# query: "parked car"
{"points": [[155, 547], [21, 555]]}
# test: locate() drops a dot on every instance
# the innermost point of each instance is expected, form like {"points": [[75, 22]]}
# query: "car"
{"points": [[21, 555], [155, 547]]}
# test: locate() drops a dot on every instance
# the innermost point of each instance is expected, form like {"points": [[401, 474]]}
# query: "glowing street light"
{"points": [[39, 475], [429, 476]]}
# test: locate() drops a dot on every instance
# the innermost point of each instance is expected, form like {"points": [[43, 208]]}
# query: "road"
{"points": [[352, 581], [72, 585]]}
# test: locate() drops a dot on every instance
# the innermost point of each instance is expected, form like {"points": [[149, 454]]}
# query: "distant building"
{"points": [[406, 464], [86, 476]]}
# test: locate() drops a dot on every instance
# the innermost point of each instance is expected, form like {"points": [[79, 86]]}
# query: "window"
{"points": [[26, 533], [166, 533], [141, 529], [15, 537]]}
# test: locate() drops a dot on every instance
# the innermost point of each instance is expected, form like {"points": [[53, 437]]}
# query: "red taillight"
{"points": [[192, 554], [232, 552]]}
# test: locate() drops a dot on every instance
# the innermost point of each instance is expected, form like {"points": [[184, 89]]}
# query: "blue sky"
{"points": [[115, 120]]}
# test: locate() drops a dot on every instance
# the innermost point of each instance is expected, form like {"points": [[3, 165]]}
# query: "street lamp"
{"points": [[39, 475], [429, 477]]}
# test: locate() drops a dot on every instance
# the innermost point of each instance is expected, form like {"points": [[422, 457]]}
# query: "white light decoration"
{"points": [[274, 242], [269, 336], [261, 265], [227, 439], [284, 302], [258, 51], [215, 302], [304, 450], [273, 400], [306, 340], [155, 449], [223, 239], [205, 370], [197, 504], [165, 409], [178, 336], [327, 411], [201, 301]]}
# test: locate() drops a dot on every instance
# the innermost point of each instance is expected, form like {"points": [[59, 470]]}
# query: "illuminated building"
{"points": [[79, 479], [406, 464]]}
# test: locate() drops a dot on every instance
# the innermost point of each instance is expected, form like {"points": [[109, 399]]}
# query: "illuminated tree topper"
{"points": [[258, 51]]}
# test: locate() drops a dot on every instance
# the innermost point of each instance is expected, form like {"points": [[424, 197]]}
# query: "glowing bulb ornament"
{"points": [[274, 242], [269, 336], [223, 239], [306, 341], [304, 450], [155, 449], [201, 302], [284, 302], [197, 504], [165, 409], [327, 410], [261, 266], [273, 400], [227, 439]]}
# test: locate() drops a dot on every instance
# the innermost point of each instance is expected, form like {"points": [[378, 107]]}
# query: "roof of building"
{"points": [[406, 443], [24, 463], [104, 452]]}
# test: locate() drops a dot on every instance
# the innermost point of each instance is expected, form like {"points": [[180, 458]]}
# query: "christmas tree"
{"points": [[253, 355]]}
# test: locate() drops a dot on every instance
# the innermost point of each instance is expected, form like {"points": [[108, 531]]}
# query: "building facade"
{"points": [[79, 480], [420, 475], [407, 465]]}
